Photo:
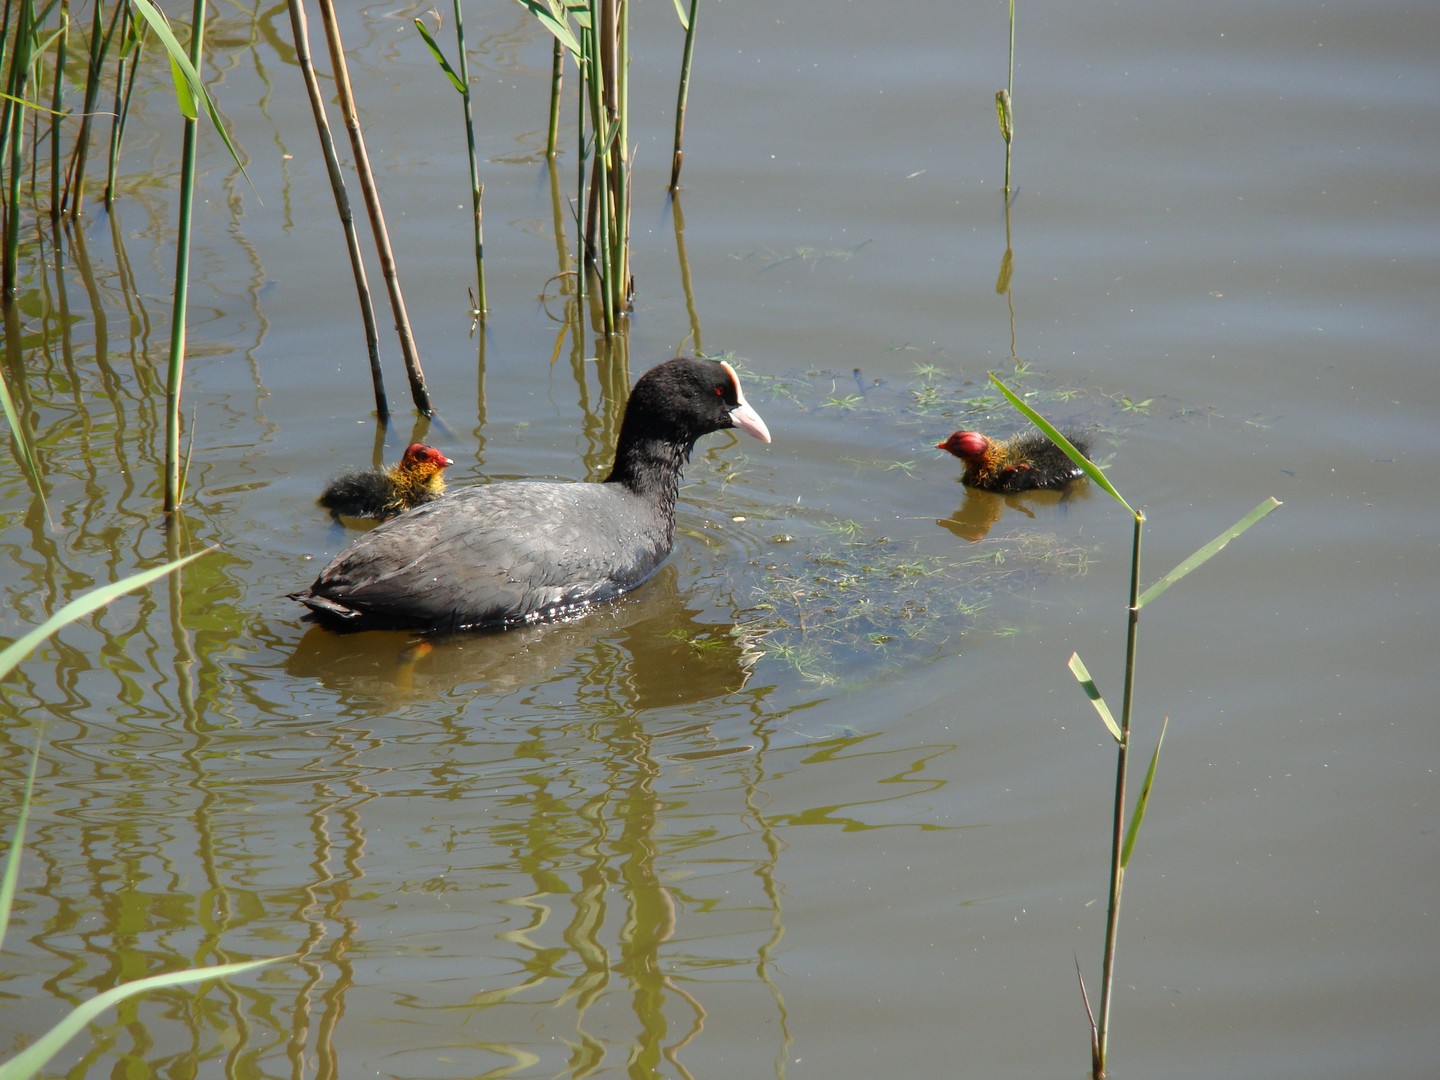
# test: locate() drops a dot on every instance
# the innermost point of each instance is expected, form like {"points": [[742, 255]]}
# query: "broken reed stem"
{"points": [[299, 26], [419, 393], [679, 155], [557, 84]]}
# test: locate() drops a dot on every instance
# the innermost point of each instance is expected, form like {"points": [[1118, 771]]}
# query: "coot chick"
{"points": [[506, 554], [383, 493], [1024, 463]]}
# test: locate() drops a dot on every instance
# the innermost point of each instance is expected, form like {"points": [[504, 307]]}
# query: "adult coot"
{"points": [[383, 493], [1024, 463], [506, 554]]}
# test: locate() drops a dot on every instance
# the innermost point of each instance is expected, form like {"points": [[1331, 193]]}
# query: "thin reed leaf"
{"points": [[7, 404], [1144, 799], [552, 17], [35, 106], [42, 45], [684, 15], [1096, 1065], [435, 51], [11, 873], [460, 80], [193, 89], [131, 48], [34, 1058], [81, 606], [1090, 469], [1077, 668], [1209, 550], [22, 446]]}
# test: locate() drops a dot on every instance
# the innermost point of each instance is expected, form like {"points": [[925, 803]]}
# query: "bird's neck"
{"points": [[650, 468]]}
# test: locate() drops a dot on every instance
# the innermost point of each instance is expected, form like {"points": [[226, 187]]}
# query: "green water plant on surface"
{"points": [[33, 1058], [1122, 835]]}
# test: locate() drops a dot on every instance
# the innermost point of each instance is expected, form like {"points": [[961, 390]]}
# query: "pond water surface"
{"points": [[822, 798]]}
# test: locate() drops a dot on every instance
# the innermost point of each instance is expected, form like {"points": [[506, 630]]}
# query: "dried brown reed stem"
{"points": [[419, 393], [300, 30]]}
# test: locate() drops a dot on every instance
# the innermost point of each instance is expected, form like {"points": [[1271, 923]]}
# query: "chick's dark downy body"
{"points": [[383, 493], [1027, 462]]}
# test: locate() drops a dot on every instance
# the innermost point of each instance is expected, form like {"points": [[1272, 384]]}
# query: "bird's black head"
{"points": [[682, 399]]}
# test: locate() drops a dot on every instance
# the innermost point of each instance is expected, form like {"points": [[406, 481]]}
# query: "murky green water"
{"points": [[822, 799]]}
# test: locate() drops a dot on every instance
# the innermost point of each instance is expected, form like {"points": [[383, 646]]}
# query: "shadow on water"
{"points": [[646, 650], [982, 510]]}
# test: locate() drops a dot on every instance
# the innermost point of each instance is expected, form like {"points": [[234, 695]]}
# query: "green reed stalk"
{"points": [[557, 83], [14, 137], [684, 94], [7, 105], [460, 80], [582, 86], [599, 204], [1100, 1034], [100, 39], [131, 46], [1123, 835], [622, 162], [609, 200], [1005, 103], [600, 43], [175, 372], [477, 189], [57, 106]]}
